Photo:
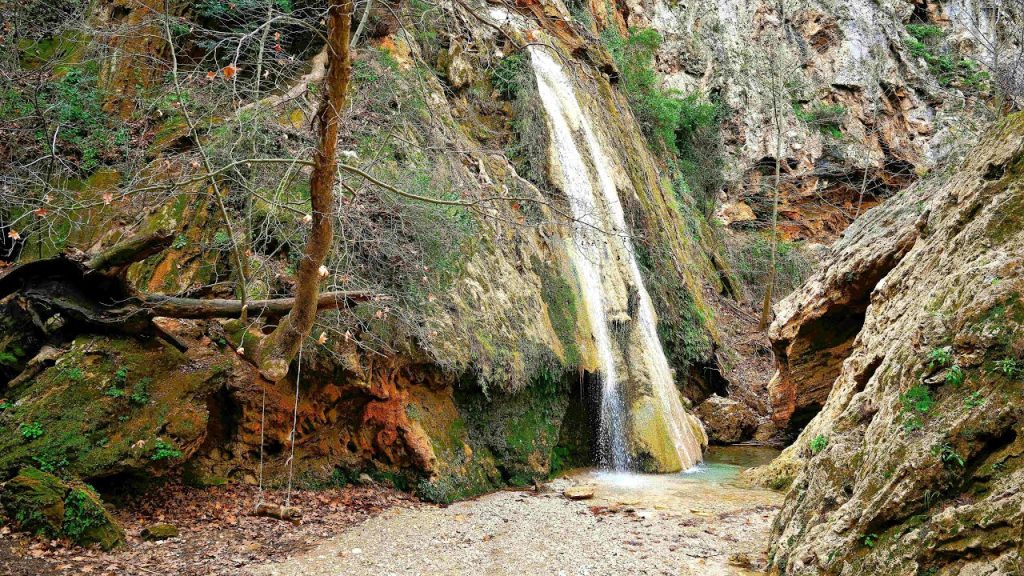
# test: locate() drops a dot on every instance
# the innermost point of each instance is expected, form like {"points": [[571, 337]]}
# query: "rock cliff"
{"points": [[865, 96], [915, 463]]}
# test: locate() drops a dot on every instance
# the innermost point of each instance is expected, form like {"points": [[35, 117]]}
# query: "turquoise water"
{"points": [[724, 463], [721, 465]]}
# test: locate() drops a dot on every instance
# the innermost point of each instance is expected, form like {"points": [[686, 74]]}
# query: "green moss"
{"points": [[88, 432], [35, 500], [560, 299]]}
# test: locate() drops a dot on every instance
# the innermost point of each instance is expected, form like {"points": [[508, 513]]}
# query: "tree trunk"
{"points": [[283, 344]]}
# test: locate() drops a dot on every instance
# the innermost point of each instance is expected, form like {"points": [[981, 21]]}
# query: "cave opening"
{"points": [[578, 434]]}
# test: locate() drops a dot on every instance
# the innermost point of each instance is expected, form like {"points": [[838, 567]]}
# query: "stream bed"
{"points": [[699, 522]]}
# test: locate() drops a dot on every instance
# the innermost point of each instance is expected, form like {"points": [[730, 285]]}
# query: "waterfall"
{"points": [[601, 249]]}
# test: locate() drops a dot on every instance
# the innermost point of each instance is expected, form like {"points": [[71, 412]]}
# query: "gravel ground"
{"points": [[670, 525]]}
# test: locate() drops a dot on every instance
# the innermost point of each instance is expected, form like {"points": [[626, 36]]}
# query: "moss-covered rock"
{"points": [[110, 406], [45, 505], [87, 522], [159, 531], [35, 500]]}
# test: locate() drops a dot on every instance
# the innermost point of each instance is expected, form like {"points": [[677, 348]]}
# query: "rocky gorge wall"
{"points": [[862, 106], [914, 464]]}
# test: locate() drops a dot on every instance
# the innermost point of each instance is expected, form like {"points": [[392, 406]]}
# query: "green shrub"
{"points": [[915, 403], [870, 540], [819, 443], [656, 110], [750, 256], [925, 32], [974, 400], [700, 152], [947, 454], [955, 376], [940, 357], [508, 76], [827, 118], [948, 68], [1009, 367], [140, 392], [114, 392]]}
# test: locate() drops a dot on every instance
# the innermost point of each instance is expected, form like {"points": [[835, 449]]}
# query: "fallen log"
{"points": [[175, 307], [91, 291], [291, 514]]}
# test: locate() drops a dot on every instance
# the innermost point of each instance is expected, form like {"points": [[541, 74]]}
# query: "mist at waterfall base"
{"points": [[599, 237]]}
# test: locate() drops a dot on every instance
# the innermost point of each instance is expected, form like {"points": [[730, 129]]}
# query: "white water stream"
{"points": [[600, 223]]}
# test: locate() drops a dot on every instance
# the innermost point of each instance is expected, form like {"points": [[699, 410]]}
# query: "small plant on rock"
{"points": [[940, 357], [915, 403], [1008, 367], [947, 454], [114, 392], [870, 540], [31, 431], [74, 374], [974, 400], [140, 393], [955, 376], [819, 443], [164, 450]]}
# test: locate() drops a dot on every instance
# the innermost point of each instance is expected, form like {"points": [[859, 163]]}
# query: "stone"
{"points": [[159, 531], [365, 479], [45, 505], [35, 500], [583, 492], [87, 521], [942, 267], [727, 421]]}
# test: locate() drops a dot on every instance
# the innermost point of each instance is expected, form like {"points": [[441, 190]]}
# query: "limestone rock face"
{"points": [[815, 327], [898, 115], [915, 463], [727, 421]]}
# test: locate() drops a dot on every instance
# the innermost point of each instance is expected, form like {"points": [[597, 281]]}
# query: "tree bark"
{"points": [[174, 307], [278, 349], [130, 251]]}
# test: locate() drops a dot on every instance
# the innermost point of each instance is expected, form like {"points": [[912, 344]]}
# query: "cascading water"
{"points": [[599, 224]]}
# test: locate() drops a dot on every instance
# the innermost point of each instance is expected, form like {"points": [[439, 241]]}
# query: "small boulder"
{"points": [[86, 521], [585, 492], [35, 500], [727, 421], [159, 531], [43, 504]]}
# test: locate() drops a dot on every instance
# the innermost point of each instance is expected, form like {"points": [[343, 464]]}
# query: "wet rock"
{"points": [[160, 531], [727, 421], [584, 492]]}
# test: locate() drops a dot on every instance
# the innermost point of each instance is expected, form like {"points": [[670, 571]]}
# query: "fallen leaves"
{"points": [[218, 535]]}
